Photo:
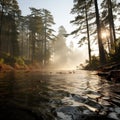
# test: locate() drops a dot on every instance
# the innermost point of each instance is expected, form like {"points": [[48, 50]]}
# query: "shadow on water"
{"points": [[58, 95]]}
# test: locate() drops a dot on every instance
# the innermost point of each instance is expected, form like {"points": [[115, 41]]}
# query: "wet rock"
{"points": [[111, 109], [73, 112], [78, 98], [68, 113], [87, 112], [93, 104], [104, 102], [113, 115], [103, 113], [63, 116], [56, 102], [69, 109], [94, 117], [106, 98], [117, 110], [92, 96]]}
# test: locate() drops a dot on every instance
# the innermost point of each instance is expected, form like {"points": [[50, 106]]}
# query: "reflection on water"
{"points": [[44, 92]]}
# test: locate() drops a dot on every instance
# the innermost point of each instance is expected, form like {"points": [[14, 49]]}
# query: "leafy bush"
{"points": [[7, 58], [20, 61], [115, 57], [93, 65], [1, 60]]}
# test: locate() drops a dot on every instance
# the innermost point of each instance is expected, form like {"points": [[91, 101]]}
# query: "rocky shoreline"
{"points": [[16, 112]]}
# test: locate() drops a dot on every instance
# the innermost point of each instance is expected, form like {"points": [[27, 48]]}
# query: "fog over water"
{"points": [[75, 59], [67, 55]]}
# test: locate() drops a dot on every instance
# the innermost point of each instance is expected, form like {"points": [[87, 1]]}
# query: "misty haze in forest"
{"points": [[64, 56]]}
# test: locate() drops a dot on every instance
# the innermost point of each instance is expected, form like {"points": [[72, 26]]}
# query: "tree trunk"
{"points": [[45, 40], [88, 36], [100, 45], [111, 25], [1, 20], [33, 47]]}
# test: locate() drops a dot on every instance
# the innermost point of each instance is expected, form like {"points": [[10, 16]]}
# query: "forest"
{"points": [[31, 39], [33, 83]]}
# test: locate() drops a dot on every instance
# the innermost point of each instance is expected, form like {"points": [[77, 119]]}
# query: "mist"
{"points": [[66, 56]]}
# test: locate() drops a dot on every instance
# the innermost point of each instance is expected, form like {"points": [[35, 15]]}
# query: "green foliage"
{"points": [[115, 56], [20, 61], [1, 60], [11, 60], [8, 59], [93, 65], [9, 19], [35, 44]]}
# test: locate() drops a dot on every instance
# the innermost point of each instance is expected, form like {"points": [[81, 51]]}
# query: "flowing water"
{"points": [[58, 95]]}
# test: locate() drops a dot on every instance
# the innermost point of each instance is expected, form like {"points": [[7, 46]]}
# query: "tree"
{"points": [[109, 8], [24, 42], [9, 24], [100, 45], [48, 21], [1, 20], [36, 28], [81, 7], [61, 50]]}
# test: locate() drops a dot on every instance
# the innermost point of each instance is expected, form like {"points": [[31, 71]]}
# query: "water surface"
{"points": [[48, 94]]}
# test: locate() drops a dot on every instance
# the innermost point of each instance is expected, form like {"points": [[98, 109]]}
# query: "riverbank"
{"points": [[110, 71], [15, 67]]}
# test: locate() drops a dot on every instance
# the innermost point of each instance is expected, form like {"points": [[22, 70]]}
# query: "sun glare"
{"points": [[104, 34]]}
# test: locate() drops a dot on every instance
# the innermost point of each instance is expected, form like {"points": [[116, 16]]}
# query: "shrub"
{"points": [[20, 61], [1, 60]]}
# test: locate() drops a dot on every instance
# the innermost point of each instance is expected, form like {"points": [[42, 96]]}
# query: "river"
{"points": [[58, 95]]}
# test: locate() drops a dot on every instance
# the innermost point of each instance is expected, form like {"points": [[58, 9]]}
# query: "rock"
{"points": [[78, 98], [70, 112], [93, 104], [87, 112], [105, 103], [114, 75], [63, 116], [103, 112], [111, 109], [74, 113], [113, 115], [117, 110]]}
